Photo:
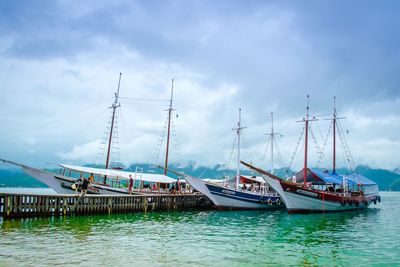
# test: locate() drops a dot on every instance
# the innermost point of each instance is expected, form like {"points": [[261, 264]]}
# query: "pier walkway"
{"points": [[13, 205]]}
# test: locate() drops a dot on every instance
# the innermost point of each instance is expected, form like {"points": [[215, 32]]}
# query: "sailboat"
{"points": [[106, 180], [247, 192], [312, 190]]}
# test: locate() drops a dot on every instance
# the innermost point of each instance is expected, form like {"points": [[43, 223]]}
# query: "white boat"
{"points": [[109, 180], [312, 190], [245, 193], [65, 182]]}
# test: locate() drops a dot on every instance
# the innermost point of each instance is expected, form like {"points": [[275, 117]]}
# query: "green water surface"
{"points": [[208, 238]]}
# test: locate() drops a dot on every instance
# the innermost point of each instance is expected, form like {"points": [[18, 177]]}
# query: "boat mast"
{"points": [[334, 134], [272, 135], [114, 106], [169, 128], [272, 142], [306, 140], [238, 129]]}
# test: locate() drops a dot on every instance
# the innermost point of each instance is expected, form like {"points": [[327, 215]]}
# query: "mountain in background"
{"points": [[387, 180]]}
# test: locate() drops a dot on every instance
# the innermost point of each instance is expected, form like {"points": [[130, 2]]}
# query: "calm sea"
{"points": [[208, 238]]}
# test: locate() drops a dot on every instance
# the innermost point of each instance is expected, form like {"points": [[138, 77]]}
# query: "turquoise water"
{"points": [[208, 238]]}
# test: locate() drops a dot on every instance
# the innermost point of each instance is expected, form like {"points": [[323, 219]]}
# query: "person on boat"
{"points": [[130, 184], [294, 179], [78, 185], [91, 178], [244, 187], [173, 190], [85, 184]]}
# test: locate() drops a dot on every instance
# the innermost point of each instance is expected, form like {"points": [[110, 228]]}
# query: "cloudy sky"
{"points": [[60, 62]]}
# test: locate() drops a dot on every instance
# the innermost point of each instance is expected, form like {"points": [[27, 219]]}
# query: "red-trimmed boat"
{"points": [[323, 192], [312, 190]]}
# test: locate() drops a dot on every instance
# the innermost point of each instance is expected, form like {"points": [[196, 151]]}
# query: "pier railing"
{"points": [[24, 205]]}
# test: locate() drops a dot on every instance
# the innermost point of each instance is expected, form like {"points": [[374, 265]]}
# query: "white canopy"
{"points": [[147, 177]]}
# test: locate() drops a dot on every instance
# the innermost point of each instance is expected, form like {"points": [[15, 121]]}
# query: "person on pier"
{"points": [[130, 187]]}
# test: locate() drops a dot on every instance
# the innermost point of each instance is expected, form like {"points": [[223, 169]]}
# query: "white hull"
{"points": [[233, 200], [224, 202], [299, 203]]}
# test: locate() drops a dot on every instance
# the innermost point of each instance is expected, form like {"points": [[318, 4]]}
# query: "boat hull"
{"points": [[64, 185], [299, 199], [225, 198]]}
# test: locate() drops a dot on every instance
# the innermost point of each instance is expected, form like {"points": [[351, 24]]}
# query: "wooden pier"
{"points": [[31, 205]]}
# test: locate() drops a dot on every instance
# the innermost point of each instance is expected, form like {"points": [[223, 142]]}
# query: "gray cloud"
{"points": [[59, 56]]}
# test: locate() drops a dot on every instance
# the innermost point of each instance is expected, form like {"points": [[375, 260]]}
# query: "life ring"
{"points": [[278, 201], [269, 201]]}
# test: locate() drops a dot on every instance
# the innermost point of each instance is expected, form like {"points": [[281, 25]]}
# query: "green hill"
{"points": [[387, 180]]}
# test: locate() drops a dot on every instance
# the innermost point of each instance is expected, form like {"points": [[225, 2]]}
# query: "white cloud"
{"points": [[58, 79], [85, 152]]}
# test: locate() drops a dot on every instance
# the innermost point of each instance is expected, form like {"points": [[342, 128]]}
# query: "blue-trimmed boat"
{"points": [[242, 192], [252, 193]]}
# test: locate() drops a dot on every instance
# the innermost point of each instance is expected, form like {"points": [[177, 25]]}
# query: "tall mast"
{"points": [[238, 150], [306, 140], [238, 129], [334, 135], [272, 142], [114, 106], [169, 128], [272, 135]]}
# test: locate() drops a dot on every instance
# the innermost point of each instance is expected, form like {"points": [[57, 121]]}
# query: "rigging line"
{"points": [[145, 99], [278, 151], [24, 132], [249, 150], [175, 140], [144, 104], [345, 144], [82, 129], [230, 157], [125, 139], [264, 156], [345, 156], [211, 140], [158, 153], [296, 148], [321, 136], [319, 148], [324, 144], [116, 152]]}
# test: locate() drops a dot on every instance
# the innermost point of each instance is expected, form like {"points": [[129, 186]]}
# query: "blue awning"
{"points": [[358, 179], [332, 178], [317, 176]]}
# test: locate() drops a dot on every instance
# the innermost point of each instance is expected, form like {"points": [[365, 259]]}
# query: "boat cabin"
{"points": [[336, 183]]}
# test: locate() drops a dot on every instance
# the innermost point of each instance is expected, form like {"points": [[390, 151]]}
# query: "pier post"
{"points": [[109, 205], [145, 204]]}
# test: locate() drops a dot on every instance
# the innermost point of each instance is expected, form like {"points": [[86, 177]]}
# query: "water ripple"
{"points": [[207, 238]]}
